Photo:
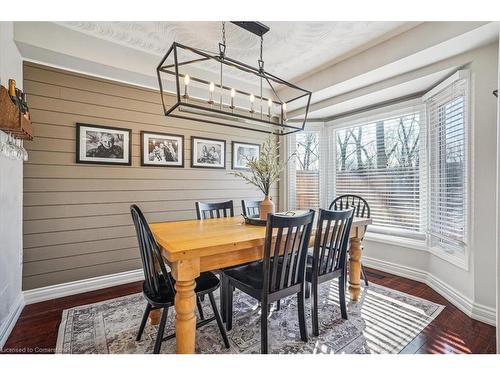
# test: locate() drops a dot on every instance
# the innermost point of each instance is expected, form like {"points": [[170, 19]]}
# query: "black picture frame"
{"points": [[223, 153], [180, 151], [233, 153], [111, 129]]}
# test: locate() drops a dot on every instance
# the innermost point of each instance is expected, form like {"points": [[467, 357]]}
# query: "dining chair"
{"points": [[281, 272], [250, 208], [361, 209], [159, 285], [214, 210], [328, 260], [205, 211]]}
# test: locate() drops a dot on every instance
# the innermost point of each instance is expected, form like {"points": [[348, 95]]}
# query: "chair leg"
{"points": [[200, 308], [143, 322], [161, 330], [219, 320], [342, 302], [223, 292], [314, 312], [308, 290], [363, 272], [229, 307], [278, 305], [302, 313], [264, 308]]}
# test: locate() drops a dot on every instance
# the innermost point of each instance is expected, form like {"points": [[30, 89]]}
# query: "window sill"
{"points": [[397, 241], [460, 262]]}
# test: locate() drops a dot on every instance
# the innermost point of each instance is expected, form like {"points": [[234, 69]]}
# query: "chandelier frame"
{"points": [[198, 110]]}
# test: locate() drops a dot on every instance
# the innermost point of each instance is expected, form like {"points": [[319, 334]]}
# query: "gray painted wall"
{"points": [[77, 223]]}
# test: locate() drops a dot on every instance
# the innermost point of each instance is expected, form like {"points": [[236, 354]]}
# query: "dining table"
{"points": [[190, 247]]}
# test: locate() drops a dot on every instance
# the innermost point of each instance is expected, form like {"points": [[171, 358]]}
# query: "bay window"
{"points": [[409, 161]]}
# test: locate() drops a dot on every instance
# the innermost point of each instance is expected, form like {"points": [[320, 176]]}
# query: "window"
{"points": [[410, 161], [304, 168], [447, 122], [381, 160]]}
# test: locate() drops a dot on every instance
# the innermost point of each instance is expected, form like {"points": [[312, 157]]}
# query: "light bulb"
{"points": [[211, 88], [269, 102], [187, 79], [284, 107], [252, 98], [233, 93]]}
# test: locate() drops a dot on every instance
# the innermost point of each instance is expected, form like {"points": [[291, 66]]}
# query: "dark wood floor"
{"points": [[451, 332]]}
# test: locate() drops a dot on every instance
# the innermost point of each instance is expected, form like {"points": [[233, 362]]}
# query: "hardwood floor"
{"points": [[451, 332]]}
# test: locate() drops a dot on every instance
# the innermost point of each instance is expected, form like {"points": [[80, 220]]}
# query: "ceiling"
{"points": [[291, 49]]}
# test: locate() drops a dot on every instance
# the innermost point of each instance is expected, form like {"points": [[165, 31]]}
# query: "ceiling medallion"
{"points": [[204, 92]]}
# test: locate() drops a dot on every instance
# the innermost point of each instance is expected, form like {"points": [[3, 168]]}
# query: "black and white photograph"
{"points": [[103, 145], [208, 153], [243, 152], [162, 150]]}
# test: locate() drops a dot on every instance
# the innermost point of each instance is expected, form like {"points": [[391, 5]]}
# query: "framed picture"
{"points": [[162, 150], [208, 153], [242, 152], [103, 145]]}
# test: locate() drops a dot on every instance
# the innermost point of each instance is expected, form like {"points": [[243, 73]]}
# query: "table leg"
{"points": [[154, 317], [185, 272], [355, 268]]}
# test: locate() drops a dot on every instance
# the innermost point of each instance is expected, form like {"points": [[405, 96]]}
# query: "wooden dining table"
{"points": [[193, 246]]}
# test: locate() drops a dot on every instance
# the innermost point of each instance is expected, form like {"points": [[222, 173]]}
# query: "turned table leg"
{"points": [[154, 317], [355, 268], [185, 273]]}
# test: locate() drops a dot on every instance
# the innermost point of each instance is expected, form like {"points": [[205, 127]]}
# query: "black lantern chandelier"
{"points": [[213, 88]]}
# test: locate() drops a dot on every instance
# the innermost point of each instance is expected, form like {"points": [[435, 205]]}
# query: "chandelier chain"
{"points": [[224, 32], [261, 46]]}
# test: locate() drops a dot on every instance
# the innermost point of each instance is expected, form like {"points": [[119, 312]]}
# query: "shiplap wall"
{"points": [[76, 217]]}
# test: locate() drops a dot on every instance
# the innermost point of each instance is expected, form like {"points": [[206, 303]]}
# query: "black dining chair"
{"points": [[329, 257], [159, 285], [361, 209], [281, 272], [205, 211], [250, 208], [214, 210]]}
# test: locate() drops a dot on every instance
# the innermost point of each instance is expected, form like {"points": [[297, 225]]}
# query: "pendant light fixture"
{"points": [[213, 88]]}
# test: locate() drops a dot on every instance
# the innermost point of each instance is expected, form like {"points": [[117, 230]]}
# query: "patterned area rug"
{"points": [[383, 321]]}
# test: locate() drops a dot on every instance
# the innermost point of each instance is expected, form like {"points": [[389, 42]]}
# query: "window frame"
{"points": [[459, 260], [328, 153]]}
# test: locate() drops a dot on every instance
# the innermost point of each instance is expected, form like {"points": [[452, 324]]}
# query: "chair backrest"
{"points": [[250, 208], [152, 261], [331, 241], [285, 257], [343, 202], [214, 210]]}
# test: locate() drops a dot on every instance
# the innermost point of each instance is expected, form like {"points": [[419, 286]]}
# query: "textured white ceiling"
{"points": [[291, 49]]}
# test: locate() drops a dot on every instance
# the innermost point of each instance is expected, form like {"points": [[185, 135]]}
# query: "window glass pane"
{"points": [[380, 161], [307, 170]]}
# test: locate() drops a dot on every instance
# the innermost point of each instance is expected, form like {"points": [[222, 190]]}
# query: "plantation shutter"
{"points": [[380, 160], [447, 113]]}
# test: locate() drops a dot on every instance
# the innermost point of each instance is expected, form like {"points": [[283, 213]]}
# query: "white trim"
{"points": [[458, 75], [11, 320], [81, 286], [472, 309], [370, 115]]}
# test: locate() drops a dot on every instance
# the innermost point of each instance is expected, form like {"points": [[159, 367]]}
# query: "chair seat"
{"points": [[251, 274], [207, 282]]}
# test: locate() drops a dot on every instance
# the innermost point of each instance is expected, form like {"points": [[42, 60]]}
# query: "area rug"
{"points": [[383, 321]]}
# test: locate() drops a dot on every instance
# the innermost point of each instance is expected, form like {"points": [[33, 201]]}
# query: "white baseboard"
{"points": [[474, 310], [81, 286], [11, 320]]}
